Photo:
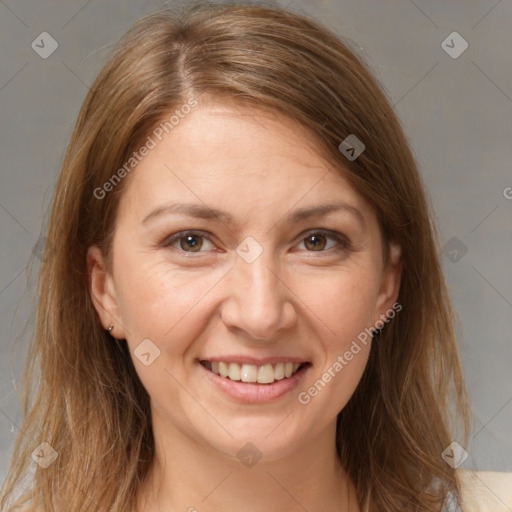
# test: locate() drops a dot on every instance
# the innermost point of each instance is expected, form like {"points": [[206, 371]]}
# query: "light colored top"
{"points": [[482, 491]]}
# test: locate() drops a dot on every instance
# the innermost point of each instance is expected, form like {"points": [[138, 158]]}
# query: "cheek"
{"points": [[169, 308], [158, 301], [341, 303], [343, 306]]}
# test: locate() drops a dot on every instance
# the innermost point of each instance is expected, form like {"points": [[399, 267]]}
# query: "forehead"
{"points": [[240, 158]]}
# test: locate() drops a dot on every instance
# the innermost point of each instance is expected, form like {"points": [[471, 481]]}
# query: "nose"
{"points": [[258, 299]]}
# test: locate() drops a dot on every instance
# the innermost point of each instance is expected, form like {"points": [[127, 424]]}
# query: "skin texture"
{"points": [[297, 299]]}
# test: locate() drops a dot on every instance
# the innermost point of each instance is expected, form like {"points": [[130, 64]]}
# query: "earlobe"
{"points": [[103, 293]]}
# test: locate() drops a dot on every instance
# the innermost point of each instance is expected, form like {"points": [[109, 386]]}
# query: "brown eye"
{"points": [[326, 241], [186, 243], [191, 243], [315, 242]]}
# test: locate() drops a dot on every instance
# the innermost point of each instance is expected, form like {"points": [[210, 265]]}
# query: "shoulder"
{"points": [[485, 491]]}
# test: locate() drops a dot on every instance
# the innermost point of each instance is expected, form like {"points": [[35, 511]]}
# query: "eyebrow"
{"points": [[202, 211]]}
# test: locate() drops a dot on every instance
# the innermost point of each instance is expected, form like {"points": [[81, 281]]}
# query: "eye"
{"points": [[187, 241], [316, 241]]}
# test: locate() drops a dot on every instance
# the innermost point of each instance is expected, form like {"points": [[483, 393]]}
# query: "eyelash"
{"points": [[343, 241]]}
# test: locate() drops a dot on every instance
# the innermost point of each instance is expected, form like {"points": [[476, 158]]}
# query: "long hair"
{"points": [[89, 404]]}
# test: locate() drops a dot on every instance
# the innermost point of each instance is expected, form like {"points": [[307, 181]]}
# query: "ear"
{"points": [[103, 293], [390, 284]]}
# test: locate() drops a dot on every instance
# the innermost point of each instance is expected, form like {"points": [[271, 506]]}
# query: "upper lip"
{"points": [[257, 361]]}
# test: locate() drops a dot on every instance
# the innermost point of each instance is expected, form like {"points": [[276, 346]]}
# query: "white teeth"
{"points": [[234, 371], [223, 369], [249, 373], [265, 374], [279, 371]]}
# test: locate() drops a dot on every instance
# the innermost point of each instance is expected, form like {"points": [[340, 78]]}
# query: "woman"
{"points": [[241, 303]]}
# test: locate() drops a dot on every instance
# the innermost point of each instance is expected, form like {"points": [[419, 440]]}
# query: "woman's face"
{"points": [[289, 270]]}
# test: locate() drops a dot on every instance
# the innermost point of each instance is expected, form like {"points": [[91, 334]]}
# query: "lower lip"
{"points": [[253, 392]]}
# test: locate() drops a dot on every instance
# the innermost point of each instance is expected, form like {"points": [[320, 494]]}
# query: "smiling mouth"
{"points": [[250, 373]]}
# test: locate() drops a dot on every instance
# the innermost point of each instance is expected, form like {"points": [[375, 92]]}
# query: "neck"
{"points": [[190, 476]]}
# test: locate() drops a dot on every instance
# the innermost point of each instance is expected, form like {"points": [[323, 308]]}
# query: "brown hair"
{"points": [[90, 405]]}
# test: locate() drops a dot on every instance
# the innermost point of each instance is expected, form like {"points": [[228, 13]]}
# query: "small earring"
{"points": [[110, 328]]}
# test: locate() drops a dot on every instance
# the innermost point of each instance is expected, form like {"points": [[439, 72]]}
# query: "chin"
{"points": [[259, 441]]}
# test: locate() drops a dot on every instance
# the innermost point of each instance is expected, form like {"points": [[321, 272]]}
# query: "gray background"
{"points": [[456, 112]]}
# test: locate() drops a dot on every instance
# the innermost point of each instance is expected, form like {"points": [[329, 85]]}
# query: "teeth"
{"points": [[279, 371], [265, 374], [249, 373], [234, 372], [223, 369]]}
